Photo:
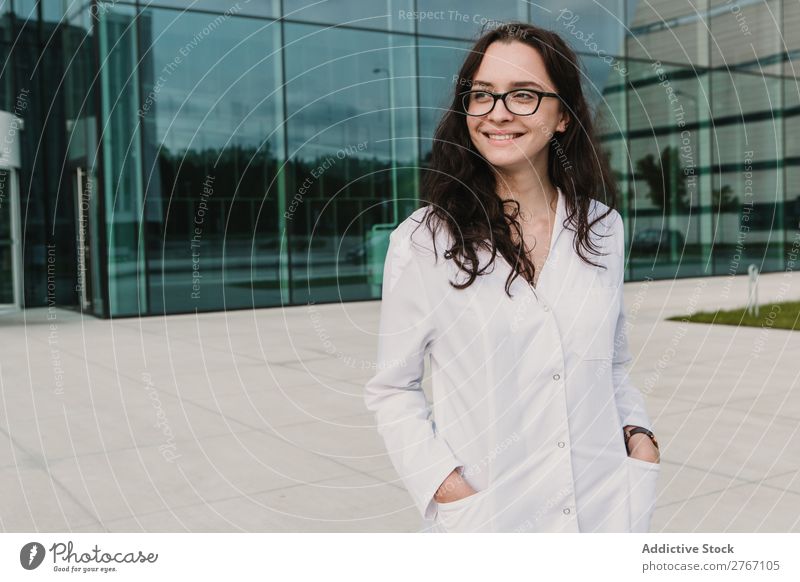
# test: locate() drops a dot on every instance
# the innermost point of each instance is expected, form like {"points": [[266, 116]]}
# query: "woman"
{"points": [[532, 407]]}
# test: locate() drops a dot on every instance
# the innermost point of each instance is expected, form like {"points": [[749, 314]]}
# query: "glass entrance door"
{"points": [[82, 189], [10, 265]]}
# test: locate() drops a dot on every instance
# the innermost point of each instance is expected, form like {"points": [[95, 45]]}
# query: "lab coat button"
{"points": [[556, 376], [561, 444], [545, 307], [566, 510]]}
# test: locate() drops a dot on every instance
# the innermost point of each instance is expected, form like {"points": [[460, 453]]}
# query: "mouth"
{"points": [[501, 138]]}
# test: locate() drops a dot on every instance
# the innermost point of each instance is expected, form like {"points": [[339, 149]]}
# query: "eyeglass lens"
{"points": [[517, 102]]}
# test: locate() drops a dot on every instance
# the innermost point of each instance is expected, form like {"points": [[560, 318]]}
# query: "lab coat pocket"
{"points": [[643, 485], [464, 515]]}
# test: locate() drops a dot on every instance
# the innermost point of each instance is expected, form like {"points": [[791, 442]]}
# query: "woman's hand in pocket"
{"points": [[453, 488], [642, 448]]}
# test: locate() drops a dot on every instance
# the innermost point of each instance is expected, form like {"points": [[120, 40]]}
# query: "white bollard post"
{"points": [[752, 293]]}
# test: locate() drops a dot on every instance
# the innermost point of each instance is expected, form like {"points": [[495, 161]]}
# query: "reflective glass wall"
{"points": [[41, 43], [708, 112], [213, 141], [253, 154]]}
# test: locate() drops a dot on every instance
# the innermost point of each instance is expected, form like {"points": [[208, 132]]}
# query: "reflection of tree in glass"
{"points": [[244, 185], [248, 168], [667, 183], [321, 193]]}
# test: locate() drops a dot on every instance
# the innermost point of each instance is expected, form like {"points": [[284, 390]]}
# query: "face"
{"points": [[507, 66]]}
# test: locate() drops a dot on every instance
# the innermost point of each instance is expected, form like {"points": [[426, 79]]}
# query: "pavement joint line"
{"points": [[247, 495], [40, 464], [724, 406], [349, 472], [742, 483], [248, 429], [127, 449], [84, 358]]}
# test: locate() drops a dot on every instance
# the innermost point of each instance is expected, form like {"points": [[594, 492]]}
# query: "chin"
{"points": [[506, 162]]}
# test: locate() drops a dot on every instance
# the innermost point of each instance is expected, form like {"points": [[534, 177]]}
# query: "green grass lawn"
{"points": [[779, 315]]}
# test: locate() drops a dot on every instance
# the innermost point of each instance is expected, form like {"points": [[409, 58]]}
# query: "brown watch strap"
{"points": [[636, 430]]}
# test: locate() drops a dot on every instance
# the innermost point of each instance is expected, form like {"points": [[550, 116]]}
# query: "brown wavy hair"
{"points": [[460, 186]]}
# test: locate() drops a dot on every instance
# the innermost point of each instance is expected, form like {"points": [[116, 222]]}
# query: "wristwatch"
{"points": [[637, 429]]}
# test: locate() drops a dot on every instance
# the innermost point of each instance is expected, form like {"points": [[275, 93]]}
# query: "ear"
{"points": [[563, 122]]}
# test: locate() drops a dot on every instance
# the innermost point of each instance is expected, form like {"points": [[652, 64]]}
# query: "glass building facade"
{"points": [[208, 155]]}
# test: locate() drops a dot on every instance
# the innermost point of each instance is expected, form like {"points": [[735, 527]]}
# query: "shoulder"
{"points": [[410, 243], [611, 224], [415, 232], [413, 219], [611, 218]]}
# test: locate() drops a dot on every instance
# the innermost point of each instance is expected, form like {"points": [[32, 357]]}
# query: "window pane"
{"points": [[211, 112], [396, 15], [466, 19], [746, 35], [439, 61], [351, 101], [672, 31], [670, 201], [605, 90], [747, 168], [26, 10], [122, 186], [6, 241], [791, 36], [228, 8], [791, 158], [589, 26]]}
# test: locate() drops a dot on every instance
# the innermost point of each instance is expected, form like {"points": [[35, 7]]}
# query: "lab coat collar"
{"points": [[561, 214]]}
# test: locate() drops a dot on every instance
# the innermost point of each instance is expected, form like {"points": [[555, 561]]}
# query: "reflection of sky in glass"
{"points": [[253, 7], [337, 93], [590, 26], [465, 19], [208, 78], [385, 15], [598, 78], [439, 61], [25, 9]]}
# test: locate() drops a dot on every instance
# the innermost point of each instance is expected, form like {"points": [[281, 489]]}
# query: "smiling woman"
{"points": [[531, 426], [518, 126]]}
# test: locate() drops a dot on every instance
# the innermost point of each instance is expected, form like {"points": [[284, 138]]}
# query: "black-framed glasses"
{"points": [[517, 101]]}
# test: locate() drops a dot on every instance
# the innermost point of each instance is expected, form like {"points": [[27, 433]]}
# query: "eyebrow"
{"points": [[514, 84]]}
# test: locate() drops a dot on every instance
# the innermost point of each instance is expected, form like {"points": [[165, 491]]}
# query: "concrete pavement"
{"points": [[254, 420]]}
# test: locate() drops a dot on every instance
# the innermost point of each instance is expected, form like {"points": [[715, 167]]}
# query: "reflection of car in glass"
{"points": [[357, 255], [372, 248], [371, 254], [651, 240]]}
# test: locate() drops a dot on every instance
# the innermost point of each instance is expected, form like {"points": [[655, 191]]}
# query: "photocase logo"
{"points": [[31, 555]]}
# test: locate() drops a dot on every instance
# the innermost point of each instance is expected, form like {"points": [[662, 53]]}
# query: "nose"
{"points": [[499, 112]]}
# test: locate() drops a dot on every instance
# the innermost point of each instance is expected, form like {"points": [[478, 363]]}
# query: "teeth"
{"points": [[502, 136]]}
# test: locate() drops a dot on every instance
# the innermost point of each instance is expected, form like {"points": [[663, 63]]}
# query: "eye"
{"points": [[524, 96], [480, 96]]}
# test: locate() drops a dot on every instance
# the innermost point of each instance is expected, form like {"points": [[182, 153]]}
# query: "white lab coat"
{"points": [[530, 393]]}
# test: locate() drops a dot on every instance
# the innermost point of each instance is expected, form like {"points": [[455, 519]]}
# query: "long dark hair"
{"points": [[460, 185]]}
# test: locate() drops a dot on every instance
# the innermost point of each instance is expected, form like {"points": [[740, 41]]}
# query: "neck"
{"points": [[533, 190]]}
